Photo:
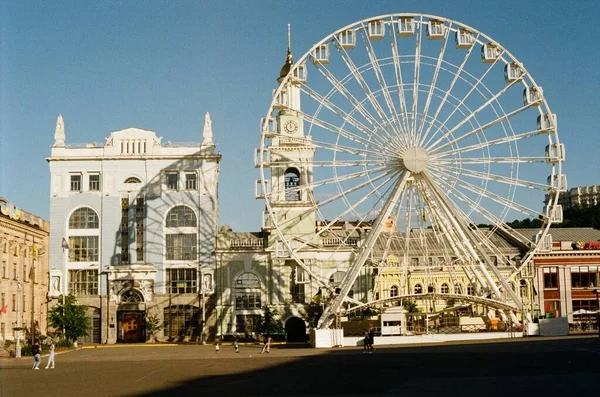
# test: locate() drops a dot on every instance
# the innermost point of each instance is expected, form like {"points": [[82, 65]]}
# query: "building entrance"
{"points": [[295, 329], [130, 327]]}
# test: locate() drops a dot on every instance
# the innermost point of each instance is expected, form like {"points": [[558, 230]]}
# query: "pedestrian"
{"points": [[51, 355], [236, 346], [35, 352], [371, 340], [267, 345], [217, 346], [366, 341]]}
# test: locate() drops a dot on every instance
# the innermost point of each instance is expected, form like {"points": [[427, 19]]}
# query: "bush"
{"points": [[8, 343], [26, 350], [64, 343]]}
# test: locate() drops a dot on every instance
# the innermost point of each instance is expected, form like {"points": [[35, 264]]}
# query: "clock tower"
{"points": [[291, 157]]}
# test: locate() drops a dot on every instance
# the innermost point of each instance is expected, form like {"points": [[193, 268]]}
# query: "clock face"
{"points": [[290, 126]]}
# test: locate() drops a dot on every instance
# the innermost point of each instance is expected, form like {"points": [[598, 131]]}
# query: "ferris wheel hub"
{"points": [[415, 159]]}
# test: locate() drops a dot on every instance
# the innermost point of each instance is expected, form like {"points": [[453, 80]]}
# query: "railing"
{"points": [[337, 241], [247, 243]]}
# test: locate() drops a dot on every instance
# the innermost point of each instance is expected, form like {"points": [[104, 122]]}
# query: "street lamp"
{"points": [[18, 327]]}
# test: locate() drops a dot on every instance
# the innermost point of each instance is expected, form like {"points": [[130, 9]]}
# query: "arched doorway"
{"points": [[131, 319], [295, 329]]}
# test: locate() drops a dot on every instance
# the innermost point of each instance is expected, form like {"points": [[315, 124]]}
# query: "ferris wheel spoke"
{"points": [[341, 88], [363, 152], [498, 178], [433, 84], [416, 74], [492, 196], [487, 144], [455, 78], [489, 160], [342, 115], [398, 73], [494, 98], [473, 88], [482, 128], [494, 220]]}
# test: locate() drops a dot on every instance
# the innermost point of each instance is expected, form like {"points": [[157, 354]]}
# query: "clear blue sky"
{"points": [[161, 65]]}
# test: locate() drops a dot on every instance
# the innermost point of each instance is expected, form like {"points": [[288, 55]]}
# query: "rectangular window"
{"points": [[83, 282], [3, 269], [180, 321], [14, 271], [583, 276], [172, 180], [94, 182], [550, 278], [190, 181], [139, 229], [182, 247], [124, 230], [3, 300], [182, 281], [83, 248], [3, 331], [247, 300], [76, 182], [246, 323]]}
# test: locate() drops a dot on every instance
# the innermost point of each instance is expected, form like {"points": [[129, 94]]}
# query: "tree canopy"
{"points": [[69, 317]]}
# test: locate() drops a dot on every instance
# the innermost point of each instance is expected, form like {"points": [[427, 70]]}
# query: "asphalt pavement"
{"points": [[518, 367]]}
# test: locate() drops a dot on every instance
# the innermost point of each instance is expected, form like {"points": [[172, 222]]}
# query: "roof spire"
{"points": [[289, 61], [59, 132], [207, 133]]}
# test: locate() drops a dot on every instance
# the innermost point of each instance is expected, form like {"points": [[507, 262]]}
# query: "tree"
{"points": [[311, 314], [269, 323], [70, 317], [153, 325], [411, 306]]}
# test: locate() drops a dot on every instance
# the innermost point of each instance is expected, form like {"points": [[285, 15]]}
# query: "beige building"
{"points": [[23, 272]]}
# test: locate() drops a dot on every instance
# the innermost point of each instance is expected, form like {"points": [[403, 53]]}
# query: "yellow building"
{"points": [[23, 272]]}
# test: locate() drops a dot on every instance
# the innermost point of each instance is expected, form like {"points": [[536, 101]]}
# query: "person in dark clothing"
{"points": [[36, 353], [371, 340]]}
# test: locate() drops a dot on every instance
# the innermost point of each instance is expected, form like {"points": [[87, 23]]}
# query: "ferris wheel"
{"points": [[416, 123]]}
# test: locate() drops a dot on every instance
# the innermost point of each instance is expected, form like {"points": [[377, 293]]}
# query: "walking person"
{"points": [[371, 340], [236, 346], [366, 341], [36, 353], [51, 355], [267, 345]]}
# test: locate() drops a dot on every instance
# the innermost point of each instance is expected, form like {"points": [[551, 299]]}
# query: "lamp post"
{"points": [[18, 323], [596, 290]]}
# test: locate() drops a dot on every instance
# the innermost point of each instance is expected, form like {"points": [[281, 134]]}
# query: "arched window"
{"points": [[131, 296], [181, 216], [394, 291], [247, 292], [431, 289], [336, 278], [418, 289], [83, 218], [181, 234], [523, 288], [458, 289], [132, 179], [445, 289], [292, 184], [83, 235]]}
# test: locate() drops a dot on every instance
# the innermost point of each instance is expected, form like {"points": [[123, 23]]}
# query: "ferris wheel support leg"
{"points": [[461, 231], [330, 311]]}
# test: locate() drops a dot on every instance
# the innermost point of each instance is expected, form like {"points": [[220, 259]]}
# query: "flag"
{"points": [[35, 252], [424, 215], [317, 297], [4, 309], [64, 244]]}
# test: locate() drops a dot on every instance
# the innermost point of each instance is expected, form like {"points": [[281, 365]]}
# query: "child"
{"points": [[236, 346], [217, 346]]}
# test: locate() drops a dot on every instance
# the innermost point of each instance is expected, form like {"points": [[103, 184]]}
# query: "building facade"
{"points": [[585, 196], [133, 228], [24, 273]]}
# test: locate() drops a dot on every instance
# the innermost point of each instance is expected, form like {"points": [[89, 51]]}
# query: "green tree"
{"points": [[411, 306], [153, 325], [269, 323], [311, 314], [67, 315]]}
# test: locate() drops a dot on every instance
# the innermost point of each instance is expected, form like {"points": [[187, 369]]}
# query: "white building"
{"points": [[133, 226], [585, 196]]}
